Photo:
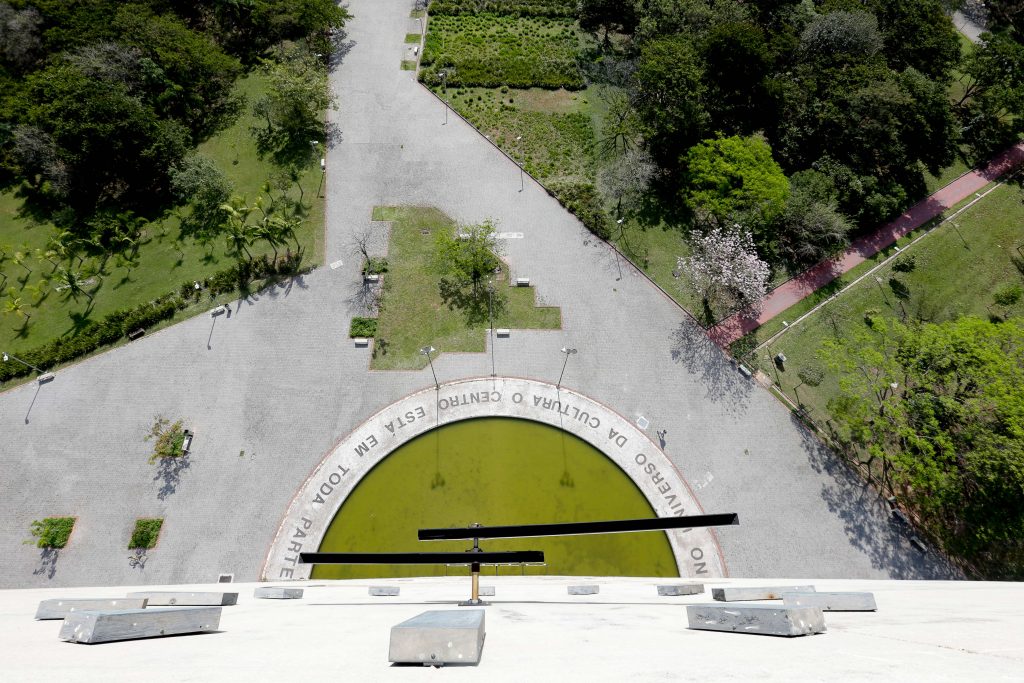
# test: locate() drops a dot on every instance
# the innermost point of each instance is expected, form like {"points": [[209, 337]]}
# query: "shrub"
{"points": [[146, 533], [905, 264], [375, 265], [1008, 295], [363, 327], [583, 200], [52, 532]]}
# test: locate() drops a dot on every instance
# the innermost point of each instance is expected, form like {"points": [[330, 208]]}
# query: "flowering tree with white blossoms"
{"points": [[725, 270]]}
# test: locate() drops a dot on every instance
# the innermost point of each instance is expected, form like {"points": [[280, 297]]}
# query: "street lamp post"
{"points": [[617, 265], [882, 290], [568, 352], [490, 314], [522, 184], [444, 93], [426, 351], [43, 376]]}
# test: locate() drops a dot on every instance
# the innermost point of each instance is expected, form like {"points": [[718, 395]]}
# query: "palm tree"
{"points": [[20, 257], [238, 234], [16, 306], [71, 280], [269, 230]]}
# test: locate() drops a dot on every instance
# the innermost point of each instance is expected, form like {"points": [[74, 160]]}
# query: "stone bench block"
{"points": [[384, 591], [130, 624], [767, 620], [172, 598], [277, 593], [734, 593], [832, 602], [584, 590], [59, 608], [522, 282], [681, 589], [503, 332], [361, 342], [439, 637]]}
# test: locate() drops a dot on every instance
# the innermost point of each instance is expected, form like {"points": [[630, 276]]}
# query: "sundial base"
{"points": [[474, 603]]}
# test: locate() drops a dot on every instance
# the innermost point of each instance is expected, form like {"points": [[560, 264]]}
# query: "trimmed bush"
{"points": [[52, 532], [146, 533], [584, 201], [375, 265], [363, 327], [168, 439]]}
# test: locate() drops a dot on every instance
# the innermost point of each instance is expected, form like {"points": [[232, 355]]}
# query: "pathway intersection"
{"points": [[268, 391]]}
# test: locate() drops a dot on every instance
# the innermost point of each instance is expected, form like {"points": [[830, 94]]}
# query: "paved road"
{"points": [[805, 284], [269, 389]]}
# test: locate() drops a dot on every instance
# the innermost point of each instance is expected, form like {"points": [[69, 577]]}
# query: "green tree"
{"points": [[670, 92], [939, 412], [467, 261], [199, 182], [606, 16], [737, 65], [291, 110], [992, 105], [736, 178]]}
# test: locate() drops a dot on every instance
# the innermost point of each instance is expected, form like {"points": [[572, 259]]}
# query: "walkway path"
{"points": [[805, 284]]}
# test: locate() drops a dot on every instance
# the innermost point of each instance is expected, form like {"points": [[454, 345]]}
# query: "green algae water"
{"points": [[496, 471]]}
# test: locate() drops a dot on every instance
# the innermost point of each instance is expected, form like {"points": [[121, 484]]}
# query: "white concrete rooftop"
{"points": [[922, 631]]}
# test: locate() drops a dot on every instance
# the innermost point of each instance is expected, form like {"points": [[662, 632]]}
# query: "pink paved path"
{"points": [[803, 285]]}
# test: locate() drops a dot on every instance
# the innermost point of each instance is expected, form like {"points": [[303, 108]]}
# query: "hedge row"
{"points": [[585, 202], [515, 8], [120, 323]]}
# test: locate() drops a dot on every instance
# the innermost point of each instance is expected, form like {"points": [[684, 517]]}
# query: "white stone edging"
{"points": [[318, 500]]}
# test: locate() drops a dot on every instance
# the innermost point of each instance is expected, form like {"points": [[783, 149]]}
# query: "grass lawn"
{"points": [[412, 311], [496, 471], [165, 261], [948, 281]]}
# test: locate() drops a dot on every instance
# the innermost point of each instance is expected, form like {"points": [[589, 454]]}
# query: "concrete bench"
{"points": [[734, 593], [503, 332], [59, 608], [584, 590], [186, 444], [277, 593], [171, 598], [439, 637], [131, 624], [220, 310], [371, 277], [132, 336], [522, 282], [384, 591], [361, 342], [676, 589], [832, 602], [766, 620]]}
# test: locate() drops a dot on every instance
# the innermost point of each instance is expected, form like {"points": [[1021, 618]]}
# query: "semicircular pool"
{"points": [[496, 471]]}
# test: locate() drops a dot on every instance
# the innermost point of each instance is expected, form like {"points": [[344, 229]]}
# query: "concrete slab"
{"points": [[832, 602], [584, 590], [59, 608], [277, 593], [487, 591], [172, 598], [734, 593], [132, 624], [765, 620], [384, 591], [676, 589], [439, 637]]}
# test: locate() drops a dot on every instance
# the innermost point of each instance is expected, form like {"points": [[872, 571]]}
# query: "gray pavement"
{"points": [[269, 389]]}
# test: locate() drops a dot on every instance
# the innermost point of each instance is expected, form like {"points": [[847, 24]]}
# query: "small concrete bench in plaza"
{"points": [[676, 589], [172, 598], [361, 342], [59, 608], [439, 637], [765, 620], [131, 624], [522, 282], [503, 332], [277, 593], [832, 602], [384, 591], [584, 590], [735, 593]]}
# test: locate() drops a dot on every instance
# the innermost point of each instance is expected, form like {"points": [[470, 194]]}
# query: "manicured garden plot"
{"points": [[491, 50], [413, 313], [146, 533], [519, 8]]}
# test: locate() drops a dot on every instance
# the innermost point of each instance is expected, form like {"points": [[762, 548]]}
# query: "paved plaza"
{"points": [[271, 388]]}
